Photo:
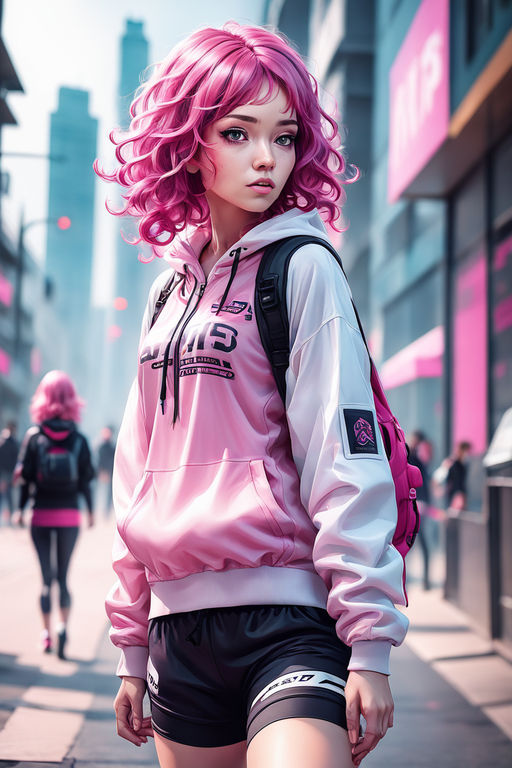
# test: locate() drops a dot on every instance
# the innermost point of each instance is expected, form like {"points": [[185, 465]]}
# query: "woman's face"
{"points": [[253, 143]]}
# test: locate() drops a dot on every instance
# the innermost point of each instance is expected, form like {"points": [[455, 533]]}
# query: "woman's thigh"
{"points": [[66, 540], [300, 743], [42, 538], [174, 755]]}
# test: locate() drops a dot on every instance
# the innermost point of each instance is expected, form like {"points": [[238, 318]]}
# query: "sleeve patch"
{"points": [[360, 431]]}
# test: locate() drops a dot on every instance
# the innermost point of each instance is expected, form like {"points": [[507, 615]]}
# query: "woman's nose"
{"points": [[263, 158]]}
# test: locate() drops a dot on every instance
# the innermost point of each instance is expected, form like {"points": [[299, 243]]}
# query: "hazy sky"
{"points": [[76, 43]]}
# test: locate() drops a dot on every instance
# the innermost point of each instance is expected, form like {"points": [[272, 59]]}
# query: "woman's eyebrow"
{"points": [[249, 119]]}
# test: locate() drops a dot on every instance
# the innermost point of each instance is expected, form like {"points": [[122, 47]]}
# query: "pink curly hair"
{"points": [[55, 397], [201, 80]]}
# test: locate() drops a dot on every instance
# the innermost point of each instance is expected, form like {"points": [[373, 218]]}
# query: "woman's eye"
{"points": [[285, 140], [233, 134]]}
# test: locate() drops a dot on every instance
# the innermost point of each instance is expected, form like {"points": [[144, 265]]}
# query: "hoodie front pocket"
{"points": [[281, 522], [216, 516]]}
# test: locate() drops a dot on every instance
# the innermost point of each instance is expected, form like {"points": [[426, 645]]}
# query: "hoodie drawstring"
{"points": [[176, 355], [236, 254], [163, 387], [181, 325]]}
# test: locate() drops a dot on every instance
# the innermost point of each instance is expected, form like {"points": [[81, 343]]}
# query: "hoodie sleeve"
{"points": [[127, 603], [345, 480]]}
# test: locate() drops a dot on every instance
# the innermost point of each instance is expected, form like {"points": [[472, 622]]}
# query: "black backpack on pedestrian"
{"points": [[57, 462]]}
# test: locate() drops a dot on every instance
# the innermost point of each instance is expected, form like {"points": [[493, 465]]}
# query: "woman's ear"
{"points": [[192, 166]]}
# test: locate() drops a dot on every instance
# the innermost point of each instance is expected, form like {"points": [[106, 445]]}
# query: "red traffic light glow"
{"points": [[64, 222], [120, 303]]}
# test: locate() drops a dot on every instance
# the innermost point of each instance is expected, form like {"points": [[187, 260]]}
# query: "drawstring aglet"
{"points": [[162, 405]]}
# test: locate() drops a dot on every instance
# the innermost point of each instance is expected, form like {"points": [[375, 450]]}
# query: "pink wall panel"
{"points": [[419, 85], [470, 355]]}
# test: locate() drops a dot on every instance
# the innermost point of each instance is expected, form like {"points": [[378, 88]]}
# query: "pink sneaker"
{"points": [[46, 642]]}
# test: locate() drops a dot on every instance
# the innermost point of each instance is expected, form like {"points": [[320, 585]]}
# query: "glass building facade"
{"points": [[430, 254]]}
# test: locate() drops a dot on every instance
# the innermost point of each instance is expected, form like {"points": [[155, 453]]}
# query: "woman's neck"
{"points": [[228, 225]]}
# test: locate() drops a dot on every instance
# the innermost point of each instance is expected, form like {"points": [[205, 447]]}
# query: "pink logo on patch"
{"points": [[363, 432]]}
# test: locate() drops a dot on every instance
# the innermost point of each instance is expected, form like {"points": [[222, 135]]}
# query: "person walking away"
{"points": [[9, 448], [55, 468], [105, 465], [456, 478], [420, 454]]}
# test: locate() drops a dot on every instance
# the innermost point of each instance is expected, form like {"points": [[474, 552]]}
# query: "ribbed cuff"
{"points": [[372, 655], [133, 661]]}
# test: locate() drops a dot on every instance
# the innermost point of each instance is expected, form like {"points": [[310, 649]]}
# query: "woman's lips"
{"points": [[263, 189]]}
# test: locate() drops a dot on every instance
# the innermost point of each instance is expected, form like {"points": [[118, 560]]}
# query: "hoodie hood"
{"points": [[183, 253], [58, 429]]}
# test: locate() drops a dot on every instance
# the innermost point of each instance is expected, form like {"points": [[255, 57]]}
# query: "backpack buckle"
{"points": [[268, 292]]}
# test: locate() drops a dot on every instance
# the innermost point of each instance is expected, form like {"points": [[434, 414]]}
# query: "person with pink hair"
{"points": [[257, 583], [55, 468]]}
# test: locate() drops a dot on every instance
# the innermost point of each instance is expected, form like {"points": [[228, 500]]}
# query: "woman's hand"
{"points": [[128, 708], [368, 694]]}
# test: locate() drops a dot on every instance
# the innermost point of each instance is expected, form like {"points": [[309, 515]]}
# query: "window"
{"points": [[479, 20], [398, 232], [413, 313], [470, 213], [502, 327], [502, 190]]}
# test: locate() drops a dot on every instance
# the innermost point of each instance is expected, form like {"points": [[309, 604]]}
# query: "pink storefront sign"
{"points": [[6, 291], [419, 84], [5, 363]]}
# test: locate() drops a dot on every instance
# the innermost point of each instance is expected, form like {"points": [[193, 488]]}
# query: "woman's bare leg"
{"points": [[173, 755], [300, 743]]}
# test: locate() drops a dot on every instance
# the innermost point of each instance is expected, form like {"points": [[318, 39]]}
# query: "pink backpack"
{"points": [[406, 477]]}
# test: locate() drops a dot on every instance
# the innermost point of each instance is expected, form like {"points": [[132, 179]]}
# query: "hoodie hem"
{"points": [[265, 585]]}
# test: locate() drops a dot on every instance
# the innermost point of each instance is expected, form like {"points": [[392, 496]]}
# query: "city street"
{"points": [[453, 695]]}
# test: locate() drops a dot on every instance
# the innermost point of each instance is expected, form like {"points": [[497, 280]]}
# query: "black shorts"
{"points": [[218, 676]]}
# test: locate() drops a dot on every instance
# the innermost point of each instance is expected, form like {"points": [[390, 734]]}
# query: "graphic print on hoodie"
{"points": [[222, 497]]}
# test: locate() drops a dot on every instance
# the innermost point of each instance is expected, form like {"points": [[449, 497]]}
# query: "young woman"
{"points": [[55, 467], [257, 579]]}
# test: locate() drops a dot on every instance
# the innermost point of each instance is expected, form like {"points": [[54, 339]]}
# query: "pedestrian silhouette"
{"points": [[420, 454], [105, 464], [9, 448], [55, 468], [456, 478]]}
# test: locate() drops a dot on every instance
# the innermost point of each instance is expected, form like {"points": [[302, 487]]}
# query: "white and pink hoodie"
{"points": [[239, 502]]}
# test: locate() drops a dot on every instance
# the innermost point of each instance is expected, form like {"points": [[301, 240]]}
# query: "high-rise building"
{"points": [[134, 60], [133, 278], [73, 134], [11, 266]]}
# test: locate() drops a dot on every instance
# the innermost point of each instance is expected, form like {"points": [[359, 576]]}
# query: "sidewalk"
{"points": [[453, 694], [44, 701]]}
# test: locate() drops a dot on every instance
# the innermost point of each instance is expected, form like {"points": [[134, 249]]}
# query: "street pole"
{"points": [[19, 283], [18, 304]]}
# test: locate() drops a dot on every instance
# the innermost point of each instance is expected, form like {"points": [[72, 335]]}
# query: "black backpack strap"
{"points": [[164, 295], [270, 302]]}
